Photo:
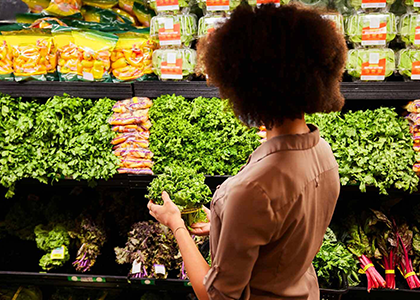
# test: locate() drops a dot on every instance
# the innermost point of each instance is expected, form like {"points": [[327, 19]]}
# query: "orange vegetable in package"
{"points": [[132, 57], [6, 63], [37, 6], [34, 54], [68, 54], [64, 7]]}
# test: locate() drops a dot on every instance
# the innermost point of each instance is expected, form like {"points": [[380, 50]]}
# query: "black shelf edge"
{"points": [[92, 281], [391, 90], [361, 289]]}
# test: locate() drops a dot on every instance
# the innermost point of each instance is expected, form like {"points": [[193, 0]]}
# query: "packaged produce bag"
{"points": [[37, 6], [412, 5], [336, 19], [410, 30], [143, 14], [218, 5], [174, 64], [371, 30], [174, 30], [105, 16], [370, 64], [47, 23], [409, 63], [170, 5], [68, 54], [371, 5], [6, 61], [125, 16], [64, 7], [126, 5], [258, 3], [101, 3], [95, 58], [131, 59], [209, 23], [34, 55]]}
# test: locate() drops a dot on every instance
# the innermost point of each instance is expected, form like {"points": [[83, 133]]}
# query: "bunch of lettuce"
{"points": [[188, 56], [357, 57], [188, 27], [406, 59], [201, 135], [408, 25], [372, 148], [357, 22], [333, 261], [149, 243]]}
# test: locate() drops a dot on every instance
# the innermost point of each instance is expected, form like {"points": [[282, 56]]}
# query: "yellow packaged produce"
{"points": [[34, 54], [131, 59], [127, 5], [47, 23], [95, 54], [101, 3], [125, 14], [68, 54], [64, 7], [37, 6], [6, 61]]}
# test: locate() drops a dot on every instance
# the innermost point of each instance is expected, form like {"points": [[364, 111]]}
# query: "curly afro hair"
{"points": [[276, 63]]}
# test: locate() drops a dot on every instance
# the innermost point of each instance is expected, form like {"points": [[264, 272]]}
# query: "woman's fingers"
{"points": [[165, 197]]}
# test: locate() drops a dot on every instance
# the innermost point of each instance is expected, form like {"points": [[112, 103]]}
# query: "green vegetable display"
{"points": [[405, 62], [357, 57], [48, 240], [183, 4], [188, 27], [208, 22], [201, 135], [188, 56], [333, 261], [315, 3], [65, 137], [410, 5], [407, 30], [372, 147], [253, 3], [357, 5], [337, 19], [356, 24], [232, 5]]}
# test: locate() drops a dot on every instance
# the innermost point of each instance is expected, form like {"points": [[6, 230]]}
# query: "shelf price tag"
{"points": [[373, 3], [169, 32], [164, 5], [187, 283], [415, 70], [416, 3], [375, 33], [374, 69], [147, 281], [86, 279], [160, 269], [172, 67], [136, 268], [58, 253], [215, 5]]}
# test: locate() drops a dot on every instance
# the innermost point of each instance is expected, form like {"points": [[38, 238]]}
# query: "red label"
{"points": [[415, 70], [373, 3], [259, 2], [167, 5], [374, 36], [374, 71], [217, 5], [417, 36], [416, 3], [172, 70], [170, 36]]}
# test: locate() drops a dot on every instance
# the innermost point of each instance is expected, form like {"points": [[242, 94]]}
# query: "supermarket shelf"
{"points": [[382, 291], [93, 281], [391, 90], [47, 89]]}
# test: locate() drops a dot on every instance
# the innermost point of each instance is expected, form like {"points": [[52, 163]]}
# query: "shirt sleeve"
{"points": [[247, 222]]}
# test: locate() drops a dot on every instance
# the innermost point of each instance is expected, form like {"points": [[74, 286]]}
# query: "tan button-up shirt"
{"points": [[268, 221]]}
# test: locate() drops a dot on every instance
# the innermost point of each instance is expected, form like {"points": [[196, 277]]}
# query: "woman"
{"points": [[268, 221]]}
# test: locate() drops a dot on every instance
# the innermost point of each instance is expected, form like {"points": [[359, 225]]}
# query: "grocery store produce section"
{"points": [[104, 105]]}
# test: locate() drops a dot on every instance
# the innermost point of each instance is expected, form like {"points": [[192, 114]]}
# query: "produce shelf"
{"points": [[93, 281], [391, 90]]}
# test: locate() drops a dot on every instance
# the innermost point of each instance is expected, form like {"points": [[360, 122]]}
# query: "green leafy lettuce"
{"points": [[357, 57], [187, 22], [188, 56], [406, 59], [357, 22], [408, 25]]}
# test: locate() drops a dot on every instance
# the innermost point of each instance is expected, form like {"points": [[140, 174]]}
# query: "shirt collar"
{"points": [[287, 142]]}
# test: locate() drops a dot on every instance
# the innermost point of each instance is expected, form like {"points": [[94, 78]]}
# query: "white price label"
{"points": [[160, 269], [374, 58], [136, 268], [88, 76]]}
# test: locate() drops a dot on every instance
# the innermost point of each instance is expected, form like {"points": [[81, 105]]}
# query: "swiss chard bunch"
{"points": [[149, 246], [50, 240]]}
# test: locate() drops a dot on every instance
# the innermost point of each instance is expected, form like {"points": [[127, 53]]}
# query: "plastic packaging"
{"points": [[126, 5], [413, 106], [133, 144], [64, 7], [47, 23], [34, 55], [371, 5], [129, 128], [409, 63], [337, 20], [412, 5], [370, 64], [133, 153], [174, 30], [95, 59], [145, 171], [143, 14], [124, 137], [369, 30], [126, 16], [209, 22], [218, 5], [100, 15], [409, 30], [37, 6], [67, 54], [175, 64], [131, 59], [322, 4], [101, 3], [135, 103], [171, 5], [6, 61], [136, 163], [257, 3]]}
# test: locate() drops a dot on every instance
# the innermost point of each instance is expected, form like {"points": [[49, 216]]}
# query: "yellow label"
{"points": [[58, 253], [389, 271], [409, 275]]}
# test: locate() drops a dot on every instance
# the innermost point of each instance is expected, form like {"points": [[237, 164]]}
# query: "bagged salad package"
{"points": [[409, 30], [412, 5], [322, 4], [171, 5], [409, 64], [337, 19], [174, 64], [370, 64], [34, 54], [371, 5], [131, 59], [371, 30], [174, 30], [209, 22], [64, 7], [68, 53], [219, 5], [257, 3], [95, 54], [37, 6]]}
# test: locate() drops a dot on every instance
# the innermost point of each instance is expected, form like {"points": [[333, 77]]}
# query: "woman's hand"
{"points": [[202, 229], [167, 214]]}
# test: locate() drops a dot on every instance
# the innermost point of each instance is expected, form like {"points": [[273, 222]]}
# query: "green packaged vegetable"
{"points": [[371, 29], [412, 5], [315, 3], [409, 63], [337, 20], [209, 22], [175, 64], [371, 5], [170, 5], [410, 29], [257, 3], [174, 30], [371, 64], [219, 5]]}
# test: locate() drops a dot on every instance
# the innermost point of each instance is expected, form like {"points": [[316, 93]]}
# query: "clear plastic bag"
{"points": [[371, 5], [174, 64], [371, 30], [209, 22], [337, 20], [409, 63], [257, 3], [409, 30], [6, 61], [37, 6], [218, 5], [135, 103], [370, 64], [64, 7], [171, 5]]}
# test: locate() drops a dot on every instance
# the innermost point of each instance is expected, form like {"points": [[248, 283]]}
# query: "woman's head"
{"points": [[277, 63]]}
